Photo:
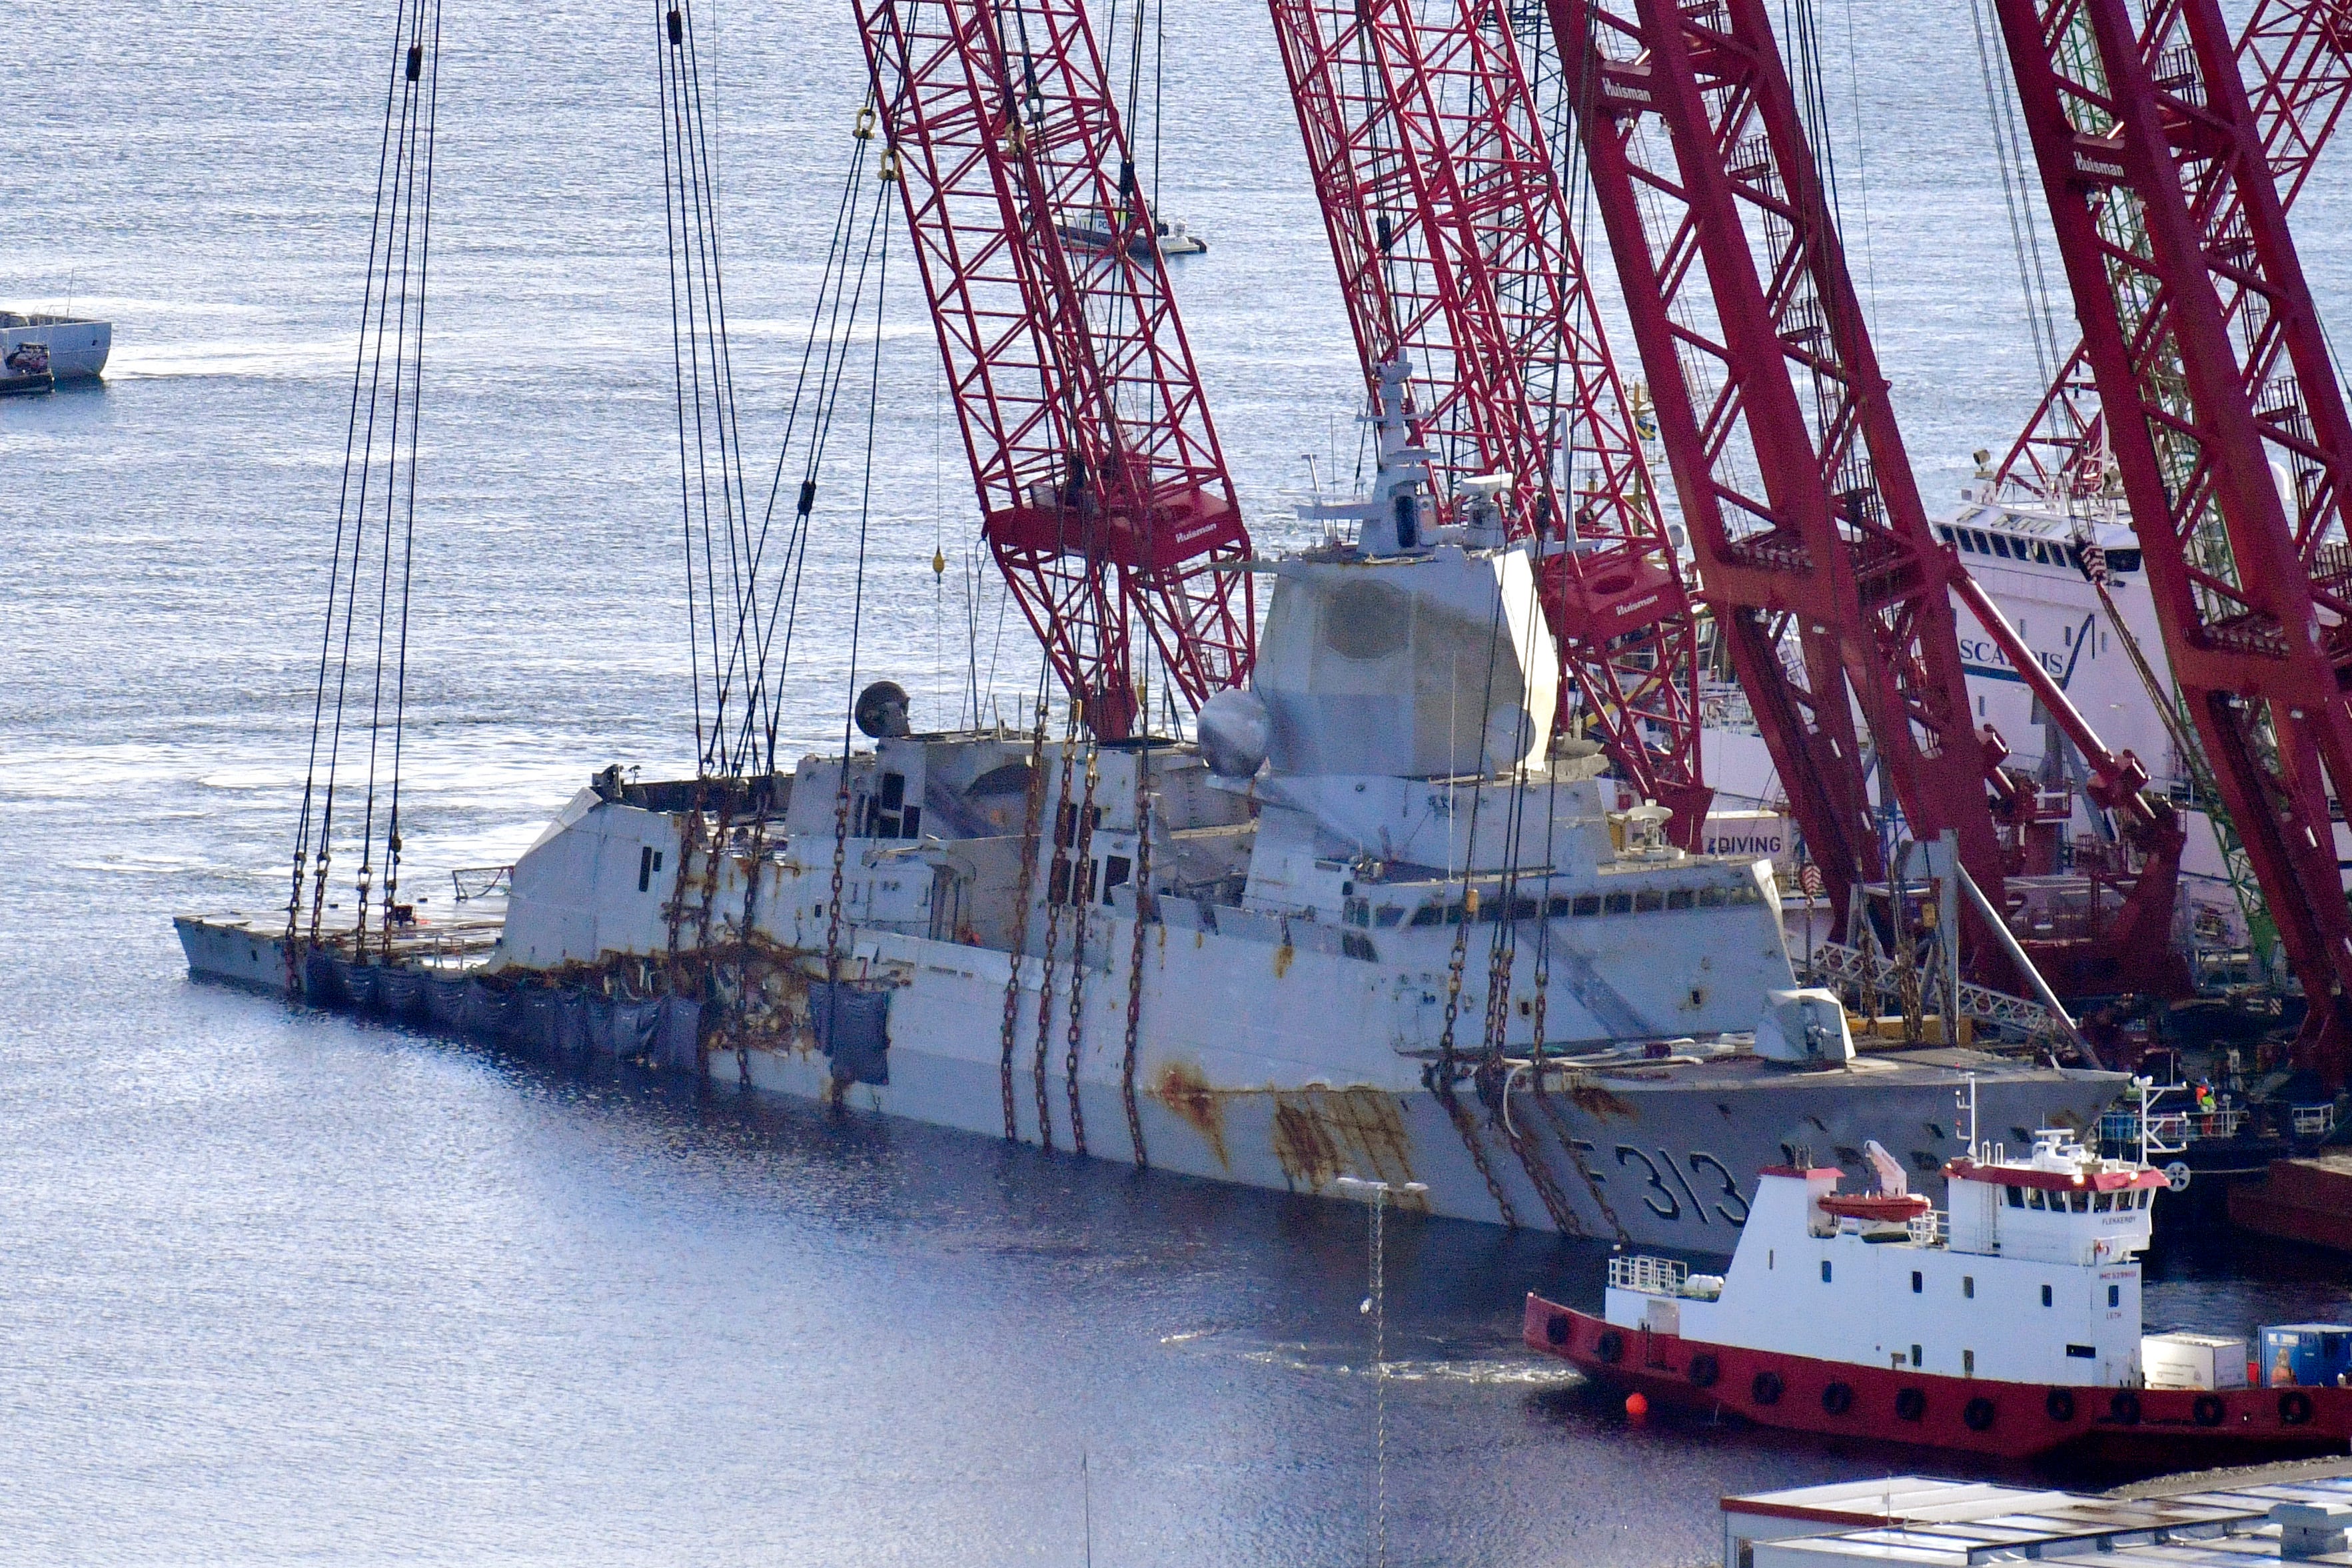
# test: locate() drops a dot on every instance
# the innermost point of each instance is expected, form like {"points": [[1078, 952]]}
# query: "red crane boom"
{"points": [[1103, 495], [2228, 428], [1804, 513], [2296, 56], [1451, 232]]}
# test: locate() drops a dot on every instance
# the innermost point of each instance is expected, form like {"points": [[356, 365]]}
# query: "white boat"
{"points": [[76, 347]]}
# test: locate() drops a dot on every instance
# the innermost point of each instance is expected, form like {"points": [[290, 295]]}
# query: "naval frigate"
{"points": [[1373, 921]]}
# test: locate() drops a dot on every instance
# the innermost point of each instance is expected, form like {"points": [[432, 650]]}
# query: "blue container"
{"points": [[2307, 1355]]}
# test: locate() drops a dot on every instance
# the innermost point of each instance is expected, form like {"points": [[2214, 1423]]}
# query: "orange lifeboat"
{"points": [[1875, 1207]]}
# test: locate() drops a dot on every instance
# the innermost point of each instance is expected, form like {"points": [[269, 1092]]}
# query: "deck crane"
{"points": [[2227, 426], [1103, 495], [1458, 265], [1793, 479], [2295, 56]]}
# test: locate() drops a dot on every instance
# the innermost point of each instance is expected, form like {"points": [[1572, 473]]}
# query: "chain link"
{"points": [[1061, 862], [1143, 885], [1032, 808], [1081, 873]]}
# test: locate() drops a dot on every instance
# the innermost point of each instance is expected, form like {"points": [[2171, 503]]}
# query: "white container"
{"points": [[2192, 1360]]}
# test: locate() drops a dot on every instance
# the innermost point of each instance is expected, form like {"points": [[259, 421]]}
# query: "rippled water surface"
{"points": [[280, 1287]]}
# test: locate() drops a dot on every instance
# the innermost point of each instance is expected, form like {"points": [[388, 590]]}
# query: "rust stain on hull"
{"points": [[1594, 1100], [1184, 1089], [1321, 1135]]}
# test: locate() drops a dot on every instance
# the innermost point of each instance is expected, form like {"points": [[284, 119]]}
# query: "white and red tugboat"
{"points": [[2010, 1325]]}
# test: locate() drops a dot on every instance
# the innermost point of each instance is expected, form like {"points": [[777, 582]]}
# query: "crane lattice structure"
{"points": [[1103, 495], [2226, 424], [1833, 595]]}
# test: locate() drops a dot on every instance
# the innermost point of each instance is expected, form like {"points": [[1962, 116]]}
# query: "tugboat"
{"points": [[2009, 1325]]}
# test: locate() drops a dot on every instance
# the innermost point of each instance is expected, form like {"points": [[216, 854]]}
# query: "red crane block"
{"points": [[1103, 495], [2226, 423]]}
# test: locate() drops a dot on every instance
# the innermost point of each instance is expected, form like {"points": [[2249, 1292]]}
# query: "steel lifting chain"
{"points": [[1539, 1177], [1065, 828], [1467, 1126], [754, 868], [832, 900], [1143, 885], [1081, 890], [1032, 808]]}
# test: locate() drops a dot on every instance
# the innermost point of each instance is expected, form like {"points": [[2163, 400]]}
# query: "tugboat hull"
{"points": [[2003, 1421]]}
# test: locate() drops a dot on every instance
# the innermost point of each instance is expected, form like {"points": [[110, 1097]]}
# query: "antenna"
{"points": [[1086, 1505], [1967, 1099]]}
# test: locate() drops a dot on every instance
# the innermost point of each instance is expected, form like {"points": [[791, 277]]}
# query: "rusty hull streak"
{"points": [[1184, 1089], [1321, 1135], [1594, 1100], [1317, 1134]]}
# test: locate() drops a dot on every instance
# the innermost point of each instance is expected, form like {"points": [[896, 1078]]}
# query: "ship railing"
{"points": [[472, 882], [1837, 966], [2313, 1120], [1650, 1276], [1927, 1230], [2171, 1132]]}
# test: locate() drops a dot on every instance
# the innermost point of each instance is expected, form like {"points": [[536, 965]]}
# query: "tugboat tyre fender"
{"points": [[1704, 1370], [1766, 1387], [1838, 1398], [1610, 1347], [1556, 1330], [1910, 1404], [2207, 1411], [2294, 1406], [2059, 1403], [1980, 1414], [2123, 1408]]}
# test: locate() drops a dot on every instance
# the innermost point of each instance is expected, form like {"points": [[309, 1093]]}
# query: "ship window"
{"points": [[1649, 901], [1710, 898], [1087, 894], [1428, 915], [1968, 1286], [1944, 533], [1967, 1363], [1116, 870], [1618, 904], [1586, 904], [657, 855], [1918, 1282], [1059, 884], [2000, 546], [2084, 1352], [645, 869], [2103, 1202], [894, 791], [2045, 1295], [1388, 914], [910, 825], [1768, 1258], [1680, 898], [2123, 561], [2037, 1199], [2115, 1295], [1982, 544], [1916, 1357], [1066, 825], [1825, 1270], [2078, 1202], [1747, 892]]}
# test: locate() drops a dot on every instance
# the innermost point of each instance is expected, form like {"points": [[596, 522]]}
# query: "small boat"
{"points": [[1099, 233], [2008, 1325], [72, 348]]}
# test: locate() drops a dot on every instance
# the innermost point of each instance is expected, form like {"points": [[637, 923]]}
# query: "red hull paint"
{"points": [[2021, 1422]]}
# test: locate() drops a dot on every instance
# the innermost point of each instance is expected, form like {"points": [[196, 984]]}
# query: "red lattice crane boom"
{"points": [[1834, 593], [1449, 230], [2226, 424], [2295, 56], [1103, 492]]}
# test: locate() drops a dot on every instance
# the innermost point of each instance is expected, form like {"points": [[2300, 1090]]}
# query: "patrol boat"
{"points": [[1371, 923]]}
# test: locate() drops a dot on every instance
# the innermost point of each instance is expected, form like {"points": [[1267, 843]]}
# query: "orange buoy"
{"points": [[1637, 1405]]}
